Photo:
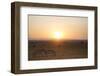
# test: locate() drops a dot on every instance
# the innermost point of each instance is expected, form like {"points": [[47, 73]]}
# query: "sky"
{"points": [[52, 27]]}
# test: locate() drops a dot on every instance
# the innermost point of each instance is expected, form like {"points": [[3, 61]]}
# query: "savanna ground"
{"points": [[48, 49]]}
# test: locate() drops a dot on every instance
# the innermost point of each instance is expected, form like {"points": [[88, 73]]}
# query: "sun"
{"points": [[57, 35]]}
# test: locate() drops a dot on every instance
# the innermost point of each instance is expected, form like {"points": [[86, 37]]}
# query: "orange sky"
{"points": [[44, 27]]}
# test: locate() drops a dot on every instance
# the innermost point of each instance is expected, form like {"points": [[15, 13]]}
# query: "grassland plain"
{"points": [[49, 49]]}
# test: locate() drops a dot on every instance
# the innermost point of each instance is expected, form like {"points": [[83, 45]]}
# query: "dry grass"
{"points": [[45, 50]]}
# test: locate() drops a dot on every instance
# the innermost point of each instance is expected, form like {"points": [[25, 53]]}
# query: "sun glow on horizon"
{"points": [[58, 35], [57, 28]]}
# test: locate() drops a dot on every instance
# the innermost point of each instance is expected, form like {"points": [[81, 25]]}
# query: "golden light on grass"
{"points": [[58, 35]]}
